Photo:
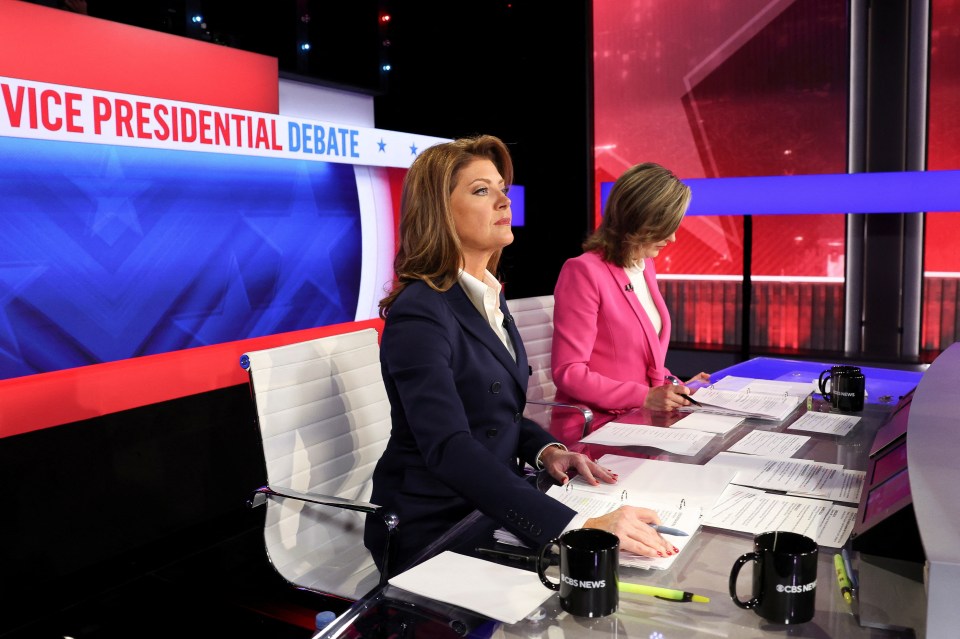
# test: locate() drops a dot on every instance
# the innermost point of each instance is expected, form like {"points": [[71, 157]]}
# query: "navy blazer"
{"points": [[458, 438]]}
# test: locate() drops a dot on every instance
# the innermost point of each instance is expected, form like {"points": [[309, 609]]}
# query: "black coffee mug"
{"points": [[847, 387], [589, 571], [784, 577]]}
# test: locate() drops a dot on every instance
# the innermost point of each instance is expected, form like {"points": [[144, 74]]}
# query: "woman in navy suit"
{"points": [[456, 373]]}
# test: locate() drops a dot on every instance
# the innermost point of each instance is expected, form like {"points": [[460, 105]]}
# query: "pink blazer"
{"points": [[605, 352]]}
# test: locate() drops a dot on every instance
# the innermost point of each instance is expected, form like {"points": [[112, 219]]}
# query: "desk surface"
{"points": [[704, 567]]}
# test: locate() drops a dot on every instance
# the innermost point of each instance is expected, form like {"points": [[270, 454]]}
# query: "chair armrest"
{"points": [[260, 495], [390, 520], [584, 410]]}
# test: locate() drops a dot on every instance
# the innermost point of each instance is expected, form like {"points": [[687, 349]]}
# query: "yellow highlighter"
{"points": [[661, 593], [846, 588]]}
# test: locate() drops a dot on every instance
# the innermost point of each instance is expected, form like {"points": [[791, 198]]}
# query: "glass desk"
{"points": [[703, 568]]}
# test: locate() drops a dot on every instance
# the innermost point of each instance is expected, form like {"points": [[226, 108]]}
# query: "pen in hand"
{"points": [[676, 382], [691, 400], [667, 530]]}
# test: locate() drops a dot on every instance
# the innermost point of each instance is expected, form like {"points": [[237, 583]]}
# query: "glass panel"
{"points": [[727, 90], [941, 259]]}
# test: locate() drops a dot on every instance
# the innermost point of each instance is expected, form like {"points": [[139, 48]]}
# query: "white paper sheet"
{"points": [[496, 591], [709, 422], [837, 526], [676, 441], [799, 477], [769, 386], [770, 444], [754, 511], [655, 480], [830, 423]]}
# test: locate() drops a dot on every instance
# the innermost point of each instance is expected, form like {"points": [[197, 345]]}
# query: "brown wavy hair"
{"points": [[645, 205], [430, 249]]}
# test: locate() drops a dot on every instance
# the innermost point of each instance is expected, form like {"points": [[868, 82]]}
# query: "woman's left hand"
{"points": [[703, 378], [557, 462]]}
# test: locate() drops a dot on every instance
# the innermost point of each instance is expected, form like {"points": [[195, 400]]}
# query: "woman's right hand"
{"points": [[632, 525], [666, 397]]}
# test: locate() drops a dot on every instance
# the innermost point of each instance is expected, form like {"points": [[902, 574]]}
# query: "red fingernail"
{"points": [[675, 549], [660, 553]]}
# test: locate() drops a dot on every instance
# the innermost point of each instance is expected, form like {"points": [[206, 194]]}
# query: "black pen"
{"points": [[676, 382], [691, 400], [530, 560]]}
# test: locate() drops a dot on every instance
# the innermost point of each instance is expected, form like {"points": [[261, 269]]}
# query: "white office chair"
{"points": [[324, 421], [533, 317]]}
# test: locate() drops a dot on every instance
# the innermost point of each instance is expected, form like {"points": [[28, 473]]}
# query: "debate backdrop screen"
{"points": [[112, 252]]}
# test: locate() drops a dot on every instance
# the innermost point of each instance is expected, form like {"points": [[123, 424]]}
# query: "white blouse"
{"points": [[642, 291], [485, 296]]}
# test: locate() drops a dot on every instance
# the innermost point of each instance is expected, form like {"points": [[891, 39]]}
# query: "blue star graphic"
{"points": [[413, 149], [382, 145], [115, 196]]}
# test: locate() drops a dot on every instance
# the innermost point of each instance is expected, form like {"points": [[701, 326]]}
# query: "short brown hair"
{"points": [[646, 205]]}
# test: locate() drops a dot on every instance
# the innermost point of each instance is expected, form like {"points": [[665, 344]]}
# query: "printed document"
{"points": [[709, 422], [769, 443], [747, 402], [768, 386], [800, 477], [655, 480], [676, 441], [753, 511], [830, 423]]}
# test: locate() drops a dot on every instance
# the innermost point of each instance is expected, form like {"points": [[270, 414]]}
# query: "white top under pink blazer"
{"points": [[606, 353]]}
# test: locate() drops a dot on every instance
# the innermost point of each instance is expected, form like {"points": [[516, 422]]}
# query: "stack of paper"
{"points": [[755, 511], [748, 397], [744, 403], [800, 477]]}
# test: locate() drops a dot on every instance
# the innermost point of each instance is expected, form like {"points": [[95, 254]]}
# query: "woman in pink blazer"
{"points": [[611, 325]]}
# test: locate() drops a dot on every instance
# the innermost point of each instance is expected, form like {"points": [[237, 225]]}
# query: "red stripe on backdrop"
{"points": [[52, 45], [40, 401], [396, 176]]}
